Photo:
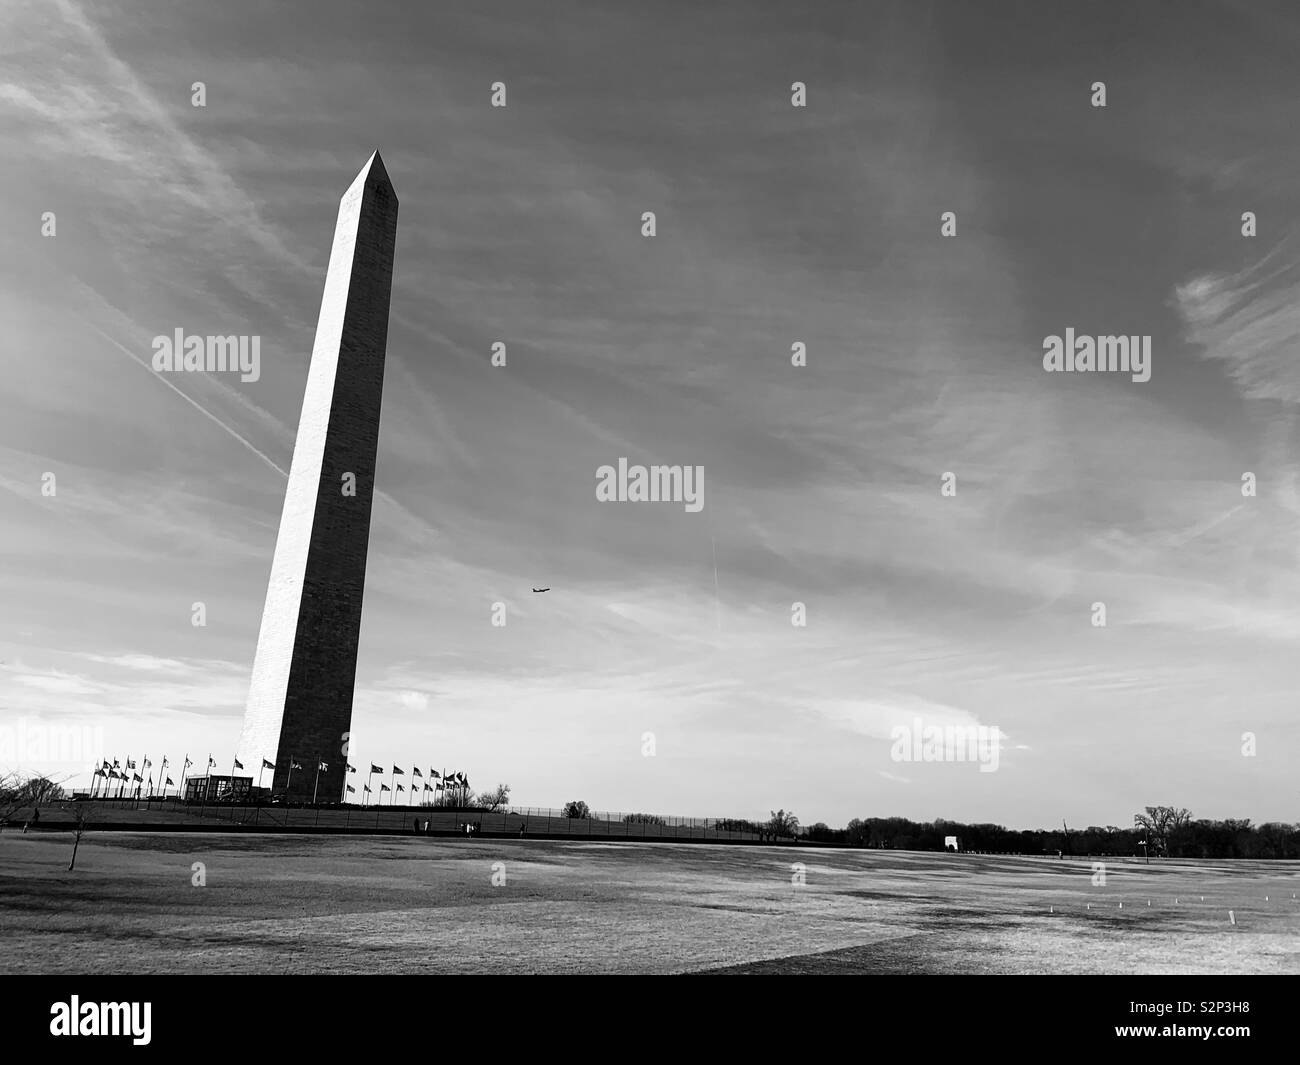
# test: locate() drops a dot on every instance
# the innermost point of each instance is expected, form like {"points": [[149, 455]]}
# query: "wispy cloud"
{"points": [[1249, 321]]}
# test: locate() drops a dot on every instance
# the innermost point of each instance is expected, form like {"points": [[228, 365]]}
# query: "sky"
{"points": [[775, 224]]}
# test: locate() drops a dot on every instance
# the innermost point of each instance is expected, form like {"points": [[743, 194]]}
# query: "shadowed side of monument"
{"points": [[300, 696]]}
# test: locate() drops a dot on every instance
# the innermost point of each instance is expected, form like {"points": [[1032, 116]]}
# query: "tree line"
{"points": [[1160, 831]]}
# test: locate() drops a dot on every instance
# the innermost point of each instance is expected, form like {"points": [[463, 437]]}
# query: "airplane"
{"points": [[541, 589]]}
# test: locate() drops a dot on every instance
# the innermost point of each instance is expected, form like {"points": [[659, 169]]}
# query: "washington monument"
{"points": [[300, 697]]}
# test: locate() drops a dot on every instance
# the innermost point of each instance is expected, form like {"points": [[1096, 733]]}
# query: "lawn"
{"points": [[330, 904]]}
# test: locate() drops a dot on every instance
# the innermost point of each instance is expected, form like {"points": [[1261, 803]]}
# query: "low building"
{"points": [[218, 789]]}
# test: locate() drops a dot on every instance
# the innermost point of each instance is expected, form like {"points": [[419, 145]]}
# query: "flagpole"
{"points": [[368, 776], [316, 785], [207, 783], [289, 779], [185, 768]]}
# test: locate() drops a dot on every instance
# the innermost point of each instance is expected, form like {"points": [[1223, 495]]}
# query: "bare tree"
{"points": [[783, 823], [495, 799], [1159, 822], [17, 791], [78, 830]]}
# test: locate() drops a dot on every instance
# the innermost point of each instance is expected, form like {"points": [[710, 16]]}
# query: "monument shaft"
{"points": [[300, 696]]}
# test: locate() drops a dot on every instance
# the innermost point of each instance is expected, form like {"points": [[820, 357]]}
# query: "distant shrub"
{"points": [[643, 819], [577, 808]]}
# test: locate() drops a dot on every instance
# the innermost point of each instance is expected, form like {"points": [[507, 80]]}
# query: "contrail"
{"points": [[202, 410]]}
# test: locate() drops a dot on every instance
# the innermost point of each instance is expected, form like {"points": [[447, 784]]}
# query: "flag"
{"points": [[434, 773], [137, 778], [416, 772], [351, 768], [374, 768], [164, 764], [440, 787], [294, 765], [268, 765], [130, 763], [117, 764], [211, 762], [322, 767], [147, 763], [400, 788], [188, 763], [427, 787], [106, 765], [384, 787], [365, 788], [170, 783], [239, 764], [396, 772], [351, 790]]}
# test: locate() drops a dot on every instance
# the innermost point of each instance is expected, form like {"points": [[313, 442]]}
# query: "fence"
{"points": [[513, 821]]}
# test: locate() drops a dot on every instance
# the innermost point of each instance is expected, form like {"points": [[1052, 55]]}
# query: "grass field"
{"points": [[300, 904]]}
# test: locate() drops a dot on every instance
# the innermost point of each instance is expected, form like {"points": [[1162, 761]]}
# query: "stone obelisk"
{"points": [[300, 697]]}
